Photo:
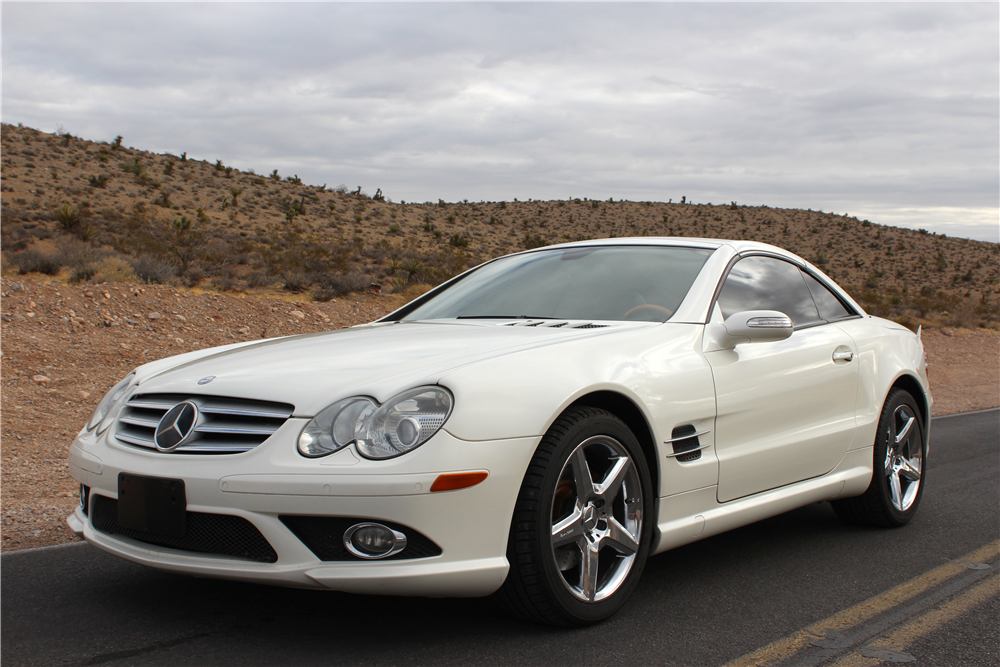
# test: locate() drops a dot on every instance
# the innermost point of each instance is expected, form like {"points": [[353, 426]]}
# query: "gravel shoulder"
{"points": [[63, 346]]}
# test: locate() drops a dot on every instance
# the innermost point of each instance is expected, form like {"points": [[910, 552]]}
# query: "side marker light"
{"points": [[453, 481]]}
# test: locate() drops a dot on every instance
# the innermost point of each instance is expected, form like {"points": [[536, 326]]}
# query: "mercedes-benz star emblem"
{"points": [[176, 426], [206, 380]]}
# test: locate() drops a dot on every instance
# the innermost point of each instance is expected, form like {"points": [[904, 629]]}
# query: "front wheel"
{"points": [[899, 468], [581, 529]]}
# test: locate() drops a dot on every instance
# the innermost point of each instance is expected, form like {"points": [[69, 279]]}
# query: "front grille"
{"points": [[225, 425], [220, 534], [324, 535]]}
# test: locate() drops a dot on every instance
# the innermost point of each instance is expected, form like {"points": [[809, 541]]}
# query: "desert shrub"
{"points": [[68, 216], [33, 261], [42, 233], [88, 232], [227, 282], [194, 275], [458, 240], [134, 167], [113, 270], [82, 274], [259, 278], [533, 241], [399, 284], [14, 236], [152, 269], [295, 280], [332, 285], [99, 181]]}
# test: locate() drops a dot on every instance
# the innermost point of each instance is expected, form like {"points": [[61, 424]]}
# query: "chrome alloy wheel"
{"points": [[597, 516], [904, 457]]}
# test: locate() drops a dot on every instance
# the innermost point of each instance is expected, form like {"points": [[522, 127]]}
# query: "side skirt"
{"points": [[694, 515]]}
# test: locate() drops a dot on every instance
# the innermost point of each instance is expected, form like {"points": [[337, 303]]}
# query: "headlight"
{"points": [[380, 432], [108, 402]]}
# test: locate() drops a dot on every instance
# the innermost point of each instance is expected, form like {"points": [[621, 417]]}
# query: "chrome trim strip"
{"points": [[214, 447], [687, 437], [687, 451], [151, 405], [237, 430], [137, 421], [133, 440], [209, 409]]}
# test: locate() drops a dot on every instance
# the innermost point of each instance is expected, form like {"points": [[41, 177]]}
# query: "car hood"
{"points": [[379, 360]]}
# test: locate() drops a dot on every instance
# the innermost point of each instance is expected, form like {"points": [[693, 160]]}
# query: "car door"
{"points": [[785, 409]]}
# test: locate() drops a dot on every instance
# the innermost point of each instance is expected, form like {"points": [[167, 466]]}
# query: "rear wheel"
{"points": [[580, 534], [898, 468]]}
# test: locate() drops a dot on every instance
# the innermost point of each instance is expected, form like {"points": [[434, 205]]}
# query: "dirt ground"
{"points": [[64, 346]]}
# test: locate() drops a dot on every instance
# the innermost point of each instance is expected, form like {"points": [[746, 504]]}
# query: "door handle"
{"points": [[843, 356]]}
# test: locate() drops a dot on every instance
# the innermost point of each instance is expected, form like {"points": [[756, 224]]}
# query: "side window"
{"points": [[766, 283], [830, 307]]}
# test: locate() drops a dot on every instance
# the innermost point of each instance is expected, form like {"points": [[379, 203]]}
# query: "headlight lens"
{"points": [[108, 402], [380, 432], [335, 427]]}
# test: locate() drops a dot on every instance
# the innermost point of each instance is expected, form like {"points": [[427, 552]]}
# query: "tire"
{"points": [[898, 471], [582, 523]]}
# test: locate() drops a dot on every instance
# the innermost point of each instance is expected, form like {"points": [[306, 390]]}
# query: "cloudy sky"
{"points": [[889, 112]]}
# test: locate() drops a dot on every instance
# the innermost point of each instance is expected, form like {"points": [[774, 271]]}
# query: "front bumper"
{"points": [[469, 525]]}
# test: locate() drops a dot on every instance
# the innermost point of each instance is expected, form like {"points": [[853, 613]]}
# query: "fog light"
{"points": [[84, 498], [373, 540]]}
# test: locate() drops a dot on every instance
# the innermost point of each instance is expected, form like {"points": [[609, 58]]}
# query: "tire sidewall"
{"points": [[607, 425]]}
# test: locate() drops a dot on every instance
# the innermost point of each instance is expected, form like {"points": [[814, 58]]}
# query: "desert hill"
{"points": [[98, 211]]}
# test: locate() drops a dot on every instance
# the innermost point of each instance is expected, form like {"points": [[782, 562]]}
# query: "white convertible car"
{"points": [[535, 428]]}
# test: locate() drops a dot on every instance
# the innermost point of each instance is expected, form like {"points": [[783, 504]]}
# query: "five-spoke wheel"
{"points": [[904, 458], [580, 533], [899, 468], [597, 517]]}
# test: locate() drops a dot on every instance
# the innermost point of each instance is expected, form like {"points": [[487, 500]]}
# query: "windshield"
{"points": [[644, 283]]}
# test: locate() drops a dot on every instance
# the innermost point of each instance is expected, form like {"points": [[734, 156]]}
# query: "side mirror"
{"points": [[748, 326]]}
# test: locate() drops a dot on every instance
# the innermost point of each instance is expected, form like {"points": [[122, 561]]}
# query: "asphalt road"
{"points": [[705, 604]]}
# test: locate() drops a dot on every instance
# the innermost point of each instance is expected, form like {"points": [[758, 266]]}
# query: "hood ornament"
{"points": [[206, 380]]}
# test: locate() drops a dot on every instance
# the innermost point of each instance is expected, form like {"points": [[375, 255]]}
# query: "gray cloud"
{"points": [[888, 111]]}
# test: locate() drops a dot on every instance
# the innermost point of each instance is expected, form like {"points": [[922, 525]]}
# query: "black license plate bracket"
{"points": [[152, 504]]}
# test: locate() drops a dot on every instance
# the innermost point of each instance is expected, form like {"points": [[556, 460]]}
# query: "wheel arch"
{"points": [[913, 387], [625, 409], [916, 390]]}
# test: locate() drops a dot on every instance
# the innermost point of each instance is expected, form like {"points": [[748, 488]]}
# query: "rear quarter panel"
{"points": [[886, 351]]}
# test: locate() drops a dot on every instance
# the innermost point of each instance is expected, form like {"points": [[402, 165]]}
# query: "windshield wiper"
{"points": [[504, 317]]}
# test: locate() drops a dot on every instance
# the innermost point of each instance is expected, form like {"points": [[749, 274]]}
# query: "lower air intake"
{"points": [[220, 534]]}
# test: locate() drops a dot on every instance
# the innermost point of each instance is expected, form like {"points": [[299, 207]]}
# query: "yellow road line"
{"points": [[790, 645], [909, 632]]}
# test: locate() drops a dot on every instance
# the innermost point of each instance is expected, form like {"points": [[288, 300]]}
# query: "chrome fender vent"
{"points": [[685, 443], [224, 425]]}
